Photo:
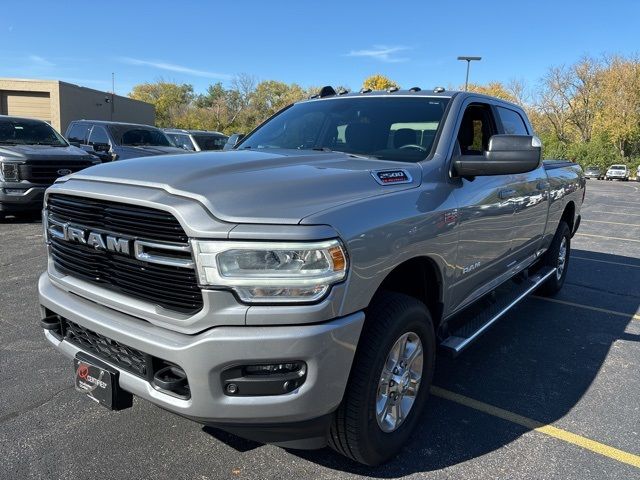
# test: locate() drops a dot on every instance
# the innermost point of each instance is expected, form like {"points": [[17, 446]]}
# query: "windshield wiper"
{"points": [[49, 144], [327, 149]]}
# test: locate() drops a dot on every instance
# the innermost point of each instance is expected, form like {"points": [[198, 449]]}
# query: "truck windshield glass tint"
{"points": [[25, 132], [138, 136], [393, 128]]}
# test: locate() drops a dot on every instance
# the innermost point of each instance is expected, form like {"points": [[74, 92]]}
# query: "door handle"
{"points": [[506, 193]]}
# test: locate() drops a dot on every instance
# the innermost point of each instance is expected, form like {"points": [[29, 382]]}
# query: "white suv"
{"points": [[621, 172]]}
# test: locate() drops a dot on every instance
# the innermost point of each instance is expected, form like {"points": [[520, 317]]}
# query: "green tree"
{"points": [[270, 96], [169, 99], [379, 82]]}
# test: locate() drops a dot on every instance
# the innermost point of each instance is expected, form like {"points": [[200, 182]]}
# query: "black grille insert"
{"points": [[128, 220], [47, 171], [171, 287], [104, 348]]}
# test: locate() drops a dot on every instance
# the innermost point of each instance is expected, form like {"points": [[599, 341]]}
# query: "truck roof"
{"points": [[107, 122], [195, 132], [21, 119], [438, 92]]}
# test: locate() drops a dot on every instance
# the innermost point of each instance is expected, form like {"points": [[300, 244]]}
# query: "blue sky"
{"points": [[311, 43]]}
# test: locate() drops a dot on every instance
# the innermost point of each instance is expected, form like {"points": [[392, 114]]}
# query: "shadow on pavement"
{"points": [[538, 361], [21, 217]]}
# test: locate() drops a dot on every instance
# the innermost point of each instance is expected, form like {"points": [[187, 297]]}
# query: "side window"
{"points": [[512, 122], [98, 135], [476, 127], [78, 133]]}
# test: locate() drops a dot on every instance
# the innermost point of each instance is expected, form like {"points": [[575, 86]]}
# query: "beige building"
{"points": [[59, 103]]}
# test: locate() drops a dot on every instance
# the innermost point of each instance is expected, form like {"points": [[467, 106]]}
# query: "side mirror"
{"points": [[507, 154], [233, 140]]}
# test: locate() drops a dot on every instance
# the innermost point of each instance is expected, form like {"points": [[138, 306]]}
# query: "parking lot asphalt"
{"points": [[551, 391]]}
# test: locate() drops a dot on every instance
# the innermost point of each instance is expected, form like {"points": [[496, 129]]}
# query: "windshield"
{"points": [[617, 167], [29, 132], [131, 136], [393, 128]]}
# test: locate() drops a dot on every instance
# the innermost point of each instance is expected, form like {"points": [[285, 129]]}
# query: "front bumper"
{"points": [[30, 197], [328, 349]]}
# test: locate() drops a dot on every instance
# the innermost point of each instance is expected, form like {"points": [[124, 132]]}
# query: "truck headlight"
{"points": [[9, 172], [271, 272]]}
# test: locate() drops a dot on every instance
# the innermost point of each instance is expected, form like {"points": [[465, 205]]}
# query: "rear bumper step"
{"points": [[475, 320]]}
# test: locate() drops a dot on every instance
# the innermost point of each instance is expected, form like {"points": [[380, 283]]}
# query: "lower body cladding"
{"points": [[18, 197], [316, 360]]}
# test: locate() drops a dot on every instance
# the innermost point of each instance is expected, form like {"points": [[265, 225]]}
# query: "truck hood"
{"points": [[43, 152], [249, 186], [149, 150]]}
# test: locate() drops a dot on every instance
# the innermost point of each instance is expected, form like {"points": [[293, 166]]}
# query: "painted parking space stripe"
{"points": [[575, 257], [546, 429], [632, 316], [607, 238], [617, 213], [612, 223]]}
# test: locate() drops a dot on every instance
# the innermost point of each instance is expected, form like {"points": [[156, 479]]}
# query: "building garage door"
{"points": [[26, 104]]}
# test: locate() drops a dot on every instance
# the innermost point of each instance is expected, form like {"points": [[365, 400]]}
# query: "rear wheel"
{"points": [[557, 256], [389, 382]]}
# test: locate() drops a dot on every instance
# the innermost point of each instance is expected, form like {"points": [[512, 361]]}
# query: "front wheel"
{"points": [[389, 382], [557, 256]]}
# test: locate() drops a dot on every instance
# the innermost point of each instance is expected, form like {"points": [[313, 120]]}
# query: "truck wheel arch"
{"points": [[569, 215], [420, 278]]}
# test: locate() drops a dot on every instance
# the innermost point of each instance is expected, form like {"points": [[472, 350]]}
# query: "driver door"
{"points": [[485, 211]]}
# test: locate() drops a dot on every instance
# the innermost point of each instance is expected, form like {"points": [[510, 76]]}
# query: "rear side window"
{"points": [[78, 133], [181, 140], [512, 122], [98, 136], [210, 142]]}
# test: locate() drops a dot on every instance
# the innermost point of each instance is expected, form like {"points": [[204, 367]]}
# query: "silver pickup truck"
{"points": [[294, 290]]}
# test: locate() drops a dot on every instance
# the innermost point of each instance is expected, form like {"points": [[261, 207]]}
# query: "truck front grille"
{"points": [[47, 171], [104, 348], [171, 287]]}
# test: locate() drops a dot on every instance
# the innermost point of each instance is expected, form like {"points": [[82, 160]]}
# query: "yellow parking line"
{"points": [[575, 257], [612, 223], [608, 238], [618, 213], [550, 430], [589, 307]]}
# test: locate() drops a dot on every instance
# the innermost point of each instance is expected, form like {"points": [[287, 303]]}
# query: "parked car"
{"points": [[294, 290], [119, 141], [638, 174], [196, 140], [32, 156], [593, 172], [617, 172]]}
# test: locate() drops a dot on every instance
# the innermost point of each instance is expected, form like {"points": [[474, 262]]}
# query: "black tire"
{"points": [[551, 259], [355, 431]]}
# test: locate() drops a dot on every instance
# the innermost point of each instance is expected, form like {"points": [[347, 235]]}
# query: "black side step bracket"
{"points": [[472, 322]]}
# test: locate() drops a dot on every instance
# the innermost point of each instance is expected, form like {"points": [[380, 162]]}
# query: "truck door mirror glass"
{"points": [[505, 154]]}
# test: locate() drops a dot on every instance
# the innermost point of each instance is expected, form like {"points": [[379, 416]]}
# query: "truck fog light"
{"points": [[275, 368], [264, 379]]}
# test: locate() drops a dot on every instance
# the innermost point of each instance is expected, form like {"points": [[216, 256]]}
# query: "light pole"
{"points": [[113, 93], [468, 60]]}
